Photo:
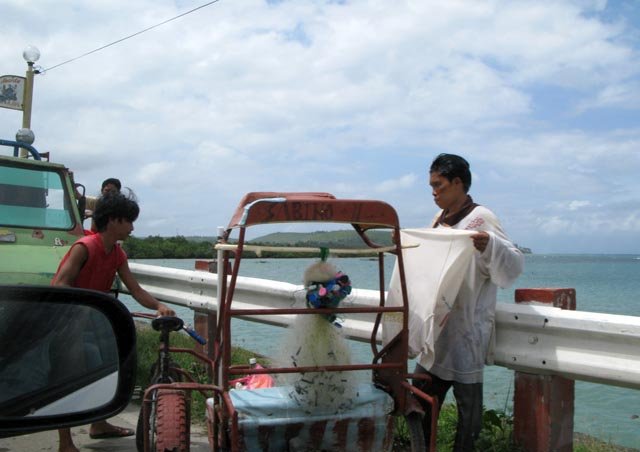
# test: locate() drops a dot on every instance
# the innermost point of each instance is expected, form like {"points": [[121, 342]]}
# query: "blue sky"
{"points": [[351, 97]]}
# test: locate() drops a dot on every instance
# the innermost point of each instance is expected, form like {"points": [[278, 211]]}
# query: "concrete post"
{"points": [[204, 322], [544, 404]]}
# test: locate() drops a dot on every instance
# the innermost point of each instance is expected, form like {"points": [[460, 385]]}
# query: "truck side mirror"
{"points": [[82, 200], [67, 358]]}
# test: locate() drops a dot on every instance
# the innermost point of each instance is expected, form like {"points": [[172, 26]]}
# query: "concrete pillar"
{"points": [[201, 325], [204, 322], [207, 266], [544, 404]]}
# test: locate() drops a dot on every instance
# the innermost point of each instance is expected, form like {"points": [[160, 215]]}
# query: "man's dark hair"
{"points": [[112, 181], [115, 206], [452, 166]]}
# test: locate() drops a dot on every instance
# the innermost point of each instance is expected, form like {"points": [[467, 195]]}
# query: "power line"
{"points": [[130, 36]]}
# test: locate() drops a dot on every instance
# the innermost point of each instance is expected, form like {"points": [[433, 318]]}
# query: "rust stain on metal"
{"points": [[292, 431], [316, 432], [388, 434], [243, 445], [340, 434], [264, 433], [366, 434]]}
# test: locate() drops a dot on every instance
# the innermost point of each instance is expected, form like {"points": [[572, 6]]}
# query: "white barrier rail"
{"points": [[601, 348]]}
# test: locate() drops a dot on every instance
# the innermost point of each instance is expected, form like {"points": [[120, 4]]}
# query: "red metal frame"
{"points": [[389, 364]]}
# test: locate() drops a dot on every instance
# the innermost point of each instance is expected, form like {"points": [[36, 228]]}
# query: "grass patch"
{"points": [[496, 434]]}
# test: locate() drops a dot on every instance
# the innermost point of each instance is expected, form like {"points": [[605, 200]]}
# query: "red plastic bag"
{"points": [[254, 381]]}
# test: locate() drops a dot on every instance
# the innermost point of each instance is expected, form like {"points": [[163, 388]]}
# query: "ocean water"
{"points": [[604, 283]]}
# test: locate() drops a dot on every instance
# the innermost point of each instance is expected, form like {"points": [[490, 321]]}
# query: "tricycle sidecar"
{"points": [[274, 418]]}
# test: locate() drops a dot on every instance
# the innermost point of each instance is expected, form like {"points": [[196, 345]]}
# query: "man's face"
{"points": [[109, 188], [445, 192]]}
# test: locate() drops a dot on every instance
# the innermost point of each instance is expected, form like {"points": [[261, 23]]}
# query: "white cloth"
{"points": [[434, 271], [466, 342], [453, 340]]}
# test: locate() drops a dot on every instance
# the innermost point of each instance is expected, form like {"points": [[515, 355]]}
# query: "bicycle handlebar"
{"points": [[172, 323], [191, 332]]}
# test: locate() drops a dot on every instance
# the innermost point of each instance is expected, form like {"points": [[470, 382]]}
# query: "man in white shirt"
{"points": [[462, 347]]}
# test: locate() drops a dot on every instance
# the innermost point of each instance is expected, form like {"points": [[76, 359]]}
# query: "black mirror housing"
{"points": [[67, 358]]}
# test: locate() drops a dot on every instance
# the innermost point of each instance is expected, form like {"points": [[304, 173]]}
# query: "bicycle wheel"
{"points": [[172, 422], [140, 433], [155, 378], [416, 432]]}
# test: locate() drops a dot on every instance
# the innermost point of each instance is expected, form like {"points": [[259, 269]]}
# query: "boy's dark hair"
{"points": [[115, 206], [112, 181], [452, 166]]}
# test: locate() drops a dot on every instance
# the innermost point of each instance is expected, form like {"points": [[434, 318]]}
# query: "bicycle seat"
{"points": [[167, 323]]}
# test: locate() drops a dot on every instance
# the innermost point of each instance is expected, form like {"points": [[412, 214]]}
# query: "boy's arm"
{"points": [[142, 296], [70, 270]]}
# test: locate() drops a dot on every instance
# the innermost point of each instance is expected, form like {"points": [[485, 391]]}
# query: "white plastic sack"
{"points": [[434, 272]]}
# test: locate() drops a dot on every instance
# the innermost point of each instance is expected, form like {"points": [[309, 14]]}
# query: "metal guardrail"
{"points": [[198, 291], [602, 348]]}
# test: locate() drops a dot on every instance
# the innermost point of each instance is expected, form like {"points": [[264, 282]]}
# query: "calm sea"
{"points": [[604, 283]]}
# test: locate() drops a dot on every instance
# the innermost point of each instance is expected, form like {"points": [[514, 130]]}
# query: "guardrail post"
{"points": [[543, 404]]}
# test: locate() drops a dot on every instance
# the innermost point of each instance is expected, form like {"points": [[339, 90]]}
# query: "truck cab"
{"points": [[40, 215]]}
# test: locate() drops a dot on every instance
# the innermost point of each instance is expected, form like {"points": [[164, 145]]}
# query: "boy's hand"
{"points": [[165, 311]]}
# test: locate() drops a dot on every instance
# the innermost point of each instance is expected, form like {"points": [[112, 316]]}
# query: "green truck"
{"points": [[40, 215]]}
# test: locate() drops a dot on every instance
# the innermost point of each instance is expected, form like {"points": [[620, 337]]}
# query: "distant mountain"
{"points": [[523, 249], [330, 239]]}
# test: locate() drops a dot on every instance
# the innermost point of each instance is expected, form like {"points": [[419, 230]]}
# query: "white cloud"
{"points": [[617, 95], [577, 205], [151, 173], [354, 98], [589, 222], [401, 183], [553, 225]]}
